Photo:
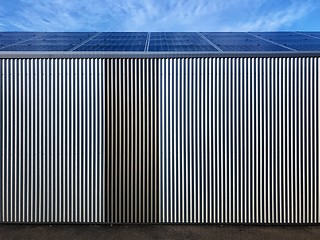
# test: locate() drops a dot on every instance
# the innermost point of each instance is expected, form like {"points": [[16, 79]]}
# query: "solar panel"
{"points": [[314, 34], [116, 42], [241, 42], [178, 42], [9, 38], [300, 42], [50, 42]]}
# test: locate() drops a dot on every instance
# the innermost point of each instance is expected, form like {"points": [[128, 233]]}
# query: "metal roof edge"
{"points": [[56, 54]]}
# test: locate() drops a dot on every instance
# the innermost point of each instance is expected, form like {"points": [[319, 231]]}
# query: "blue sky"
{"points": [[159, 15]]}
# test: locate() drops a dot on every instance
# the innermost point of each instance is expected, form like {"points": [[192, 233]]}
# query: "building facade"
{"points": [[160, 137]]}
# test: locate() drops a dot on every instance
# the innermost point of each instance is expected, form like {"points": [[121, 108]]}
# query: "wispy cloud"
{"points": [[279, 18], [59, 15], [206, 15], [154, 15]]}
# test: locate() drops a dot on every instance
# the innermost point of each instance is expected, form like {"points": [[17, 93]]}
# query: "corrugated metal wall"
{"points": [[132, 160], [239, 140], [52, 165], [184, 140]]}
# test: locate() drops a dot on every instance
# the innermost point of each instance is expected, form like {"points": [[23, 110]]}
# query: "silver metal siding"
{"points": [[169, 140], [233, 132], [131, 140], [52, 167], [239, 140]]}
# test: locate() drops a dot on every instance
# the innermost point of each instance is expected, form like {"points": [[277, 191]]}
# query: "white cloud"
{"points": [[155, 15]]}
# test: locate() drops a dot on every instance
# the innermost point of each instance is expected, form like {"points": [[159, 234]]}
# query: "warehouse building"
{"points": [[160, 127]]}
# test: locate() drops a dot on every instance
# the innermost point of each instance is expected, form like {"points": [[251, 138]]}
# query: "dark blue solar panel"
{"points": [[116, 42], [297, 41], [50, 42], [9, 38], [313, 34], [241, 42], [178, 42]]}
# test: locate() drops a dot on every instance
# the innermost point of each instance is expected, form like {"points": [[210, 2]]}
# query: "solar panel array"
{"points": [[160, 41]]}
